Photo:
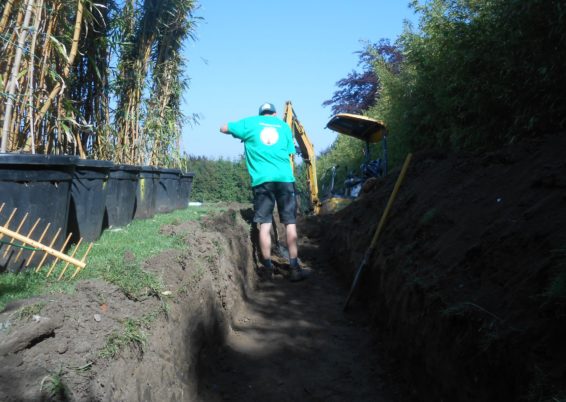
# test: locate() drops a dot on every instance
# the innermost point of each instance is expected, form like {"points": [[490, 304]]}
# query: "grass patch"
{"points": [[54, 386], [139, 240], [28, 284], [131, 336], [27, 312]]}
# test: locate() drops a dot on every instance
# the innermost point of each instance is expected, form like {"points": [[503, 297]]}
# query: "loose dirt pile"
{"points": [[97, 344], [468, 285]]}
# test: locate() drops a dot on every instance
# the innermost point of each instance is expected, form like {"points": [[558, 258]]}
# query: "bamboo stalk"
{"points": [[45, 254], [6, 14], [46, 51], [57, 259], [60, 87], [14, 77], [9, 54], [37, 18]]}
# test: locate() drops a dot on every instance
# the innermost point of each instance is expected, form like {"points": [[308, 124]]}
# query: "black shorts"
{"points": [[265, 197]]}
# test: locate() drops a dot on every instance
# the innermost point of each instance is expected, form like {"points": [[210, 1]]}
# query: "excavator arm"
{"points": [[307, 153]]}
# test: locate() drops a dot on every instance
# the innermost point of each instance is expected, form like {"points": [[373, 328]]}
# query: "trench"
{"points": [[227, 335], [291, 341]]}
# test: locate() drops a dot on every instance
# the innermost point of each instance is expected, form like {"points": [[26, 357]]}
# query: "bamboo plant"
{"points": [[57, 81]]}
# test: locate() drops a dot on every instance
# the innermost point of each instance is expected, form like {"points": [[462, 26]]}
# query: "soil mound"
{"points": [[100, 343], [468, 282]]}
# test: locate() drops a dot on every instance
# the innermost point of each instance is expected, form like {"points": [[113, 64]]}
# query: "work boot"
{"points": [[265, 273], [297, 273], [269, 273], [266, 270]]}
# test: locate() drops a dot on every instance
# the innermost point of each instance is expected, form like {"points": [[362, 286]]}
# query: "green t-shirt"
{"points": [[268, 142]]}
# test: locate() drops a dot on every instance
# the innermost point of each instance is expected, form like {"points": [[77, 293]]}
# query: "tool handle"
{"points": [[380, 226]]}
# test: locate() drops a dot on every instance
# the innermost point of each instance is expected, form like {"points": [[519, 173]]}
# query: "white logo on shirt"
{"points": [[269, 135]]}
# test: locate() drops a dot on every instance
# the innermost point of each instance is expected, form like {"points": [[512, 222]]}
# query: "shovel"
{"points": [[373, 243]]}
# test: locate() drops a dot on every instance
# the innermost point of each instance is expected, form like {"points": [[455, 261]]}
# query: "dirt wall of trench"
{"points": [[204, 283], [460, 285]]}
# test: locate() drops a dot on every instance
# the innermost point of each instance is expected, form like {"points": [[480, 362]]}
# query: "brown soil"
{"points": [[454, 304], [468, 283]]}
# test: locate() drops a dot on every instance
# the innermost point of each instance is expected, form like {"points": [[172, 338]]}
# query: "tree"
{"points": [[360, 90]]}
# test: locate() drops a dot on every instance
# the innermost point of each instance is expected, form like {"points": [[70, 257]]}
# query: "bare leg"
{"points": [[265, 240], [291, 236]]}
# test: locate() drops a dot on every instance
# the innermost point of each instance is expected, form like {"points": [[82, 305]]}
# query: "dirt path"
{"points": [[292, 342]]}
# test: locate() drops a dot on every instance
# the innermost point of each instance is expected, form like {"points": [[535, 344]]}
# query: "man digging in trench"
{"points": [[268, 144]]}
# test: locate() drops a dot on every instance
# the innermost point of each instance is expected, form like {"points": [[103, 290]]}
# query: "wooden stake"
{"points": [[25, 240], [28, 235], [46, 254], [57, 259], [2, 206], [17, 231], [77, 269], [8, 221], [68, 262]]}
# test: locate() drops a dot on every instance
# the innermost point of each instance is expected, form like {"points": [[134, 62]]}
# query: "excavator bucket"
{"points": [[360, 127]]}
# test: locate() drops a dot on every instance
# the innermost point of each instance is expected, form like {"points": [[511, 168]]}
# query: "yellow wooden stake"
{"points": [[46, 254], [37, 242], [28, 235], [57, 259], [8, 221], [68, 262], [17, 231], [77, 269]]}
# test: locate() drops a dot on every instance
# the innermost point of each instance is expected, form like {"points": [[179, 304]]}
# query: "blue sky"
{"points": [[249, 52]]}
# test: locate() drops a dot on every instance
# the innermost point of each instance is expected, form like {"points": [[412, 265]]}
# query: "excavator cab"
{"points": [[361, 127], [370, 131]]}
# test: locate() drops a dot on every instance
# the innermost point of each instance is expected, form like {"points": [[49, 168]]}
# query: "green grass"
{"points": [[132, 335], [27, 312], [54, 386], [116, 257]]}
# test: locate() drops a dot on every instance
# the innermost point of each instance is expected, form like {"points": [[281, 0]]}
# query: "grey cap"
{"points": [[267, 108]]}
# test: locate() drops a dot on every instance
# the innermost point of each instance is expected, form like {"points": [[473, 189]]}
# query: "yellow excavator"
{"points": [[361, 127], [307, 153]]}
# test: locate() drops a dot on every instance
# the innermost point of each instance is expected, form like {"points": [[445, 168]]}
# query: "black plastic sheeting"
{"points": [[121, 195], [167, 190], [185, 187], [146, 192], [79, 196], [88, 198], [39, 185]]}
